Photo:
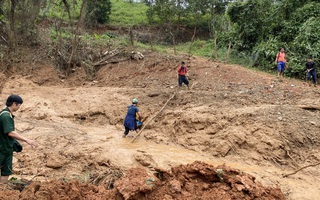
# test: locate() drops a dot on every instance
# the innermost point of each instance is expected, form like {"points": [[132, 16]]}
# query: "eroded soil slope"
{"points": [[234, 116]]}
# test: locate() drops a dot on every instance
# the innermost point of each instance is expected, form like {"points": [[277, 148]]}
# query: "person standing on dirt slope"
{"points": [[8, 134], [280, 61], [182, 75], [130, 122], [311, 71]]}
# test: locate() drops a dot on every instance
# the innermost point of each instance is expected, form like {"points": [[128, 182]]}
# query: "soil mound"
{"points": [[192, 181]]}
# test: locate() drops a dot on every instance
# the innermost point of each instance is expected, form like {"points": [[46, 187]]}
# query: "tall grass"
{"points": [[205, 48], [128, 14]]}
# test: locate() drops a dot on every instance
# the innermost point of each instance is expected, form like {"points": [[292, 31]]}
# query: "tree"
{"points": [[251, 21], [97, 12], [19, 16], [166, 11]]}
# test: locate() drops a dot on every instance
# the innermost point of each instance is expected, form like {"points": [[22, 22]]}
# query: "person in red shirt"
{"points": [[280, 61], [182, 75]]}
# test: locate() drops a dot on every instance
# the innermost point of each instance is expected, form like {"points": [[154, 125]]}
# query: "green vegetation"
{"points": [[205, 49], [124, 13], [263, 26], [97, 12], [62, 10], [255, 29]]}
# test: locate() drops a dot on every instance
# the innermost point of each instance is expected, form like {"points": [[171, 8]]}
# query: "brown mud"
{"points": [[232, 136]]}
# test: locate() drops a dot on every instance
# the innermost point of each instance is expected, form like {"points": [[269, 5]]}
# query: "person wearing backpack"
{"points": [[311, 71], [182, 75], [280, 61], [131, 123], [8, 136]]}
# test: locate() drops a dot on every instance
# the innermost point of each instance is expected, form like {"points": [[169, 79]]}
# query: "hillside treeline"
{"points": [[255, 29]]}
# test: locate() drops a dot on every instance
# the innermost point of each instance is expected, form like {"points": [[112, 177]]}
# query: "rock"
{"points": [[313, 123], [167, 197], [175, 186], [153, 94], [55, 161], [137, 55]]}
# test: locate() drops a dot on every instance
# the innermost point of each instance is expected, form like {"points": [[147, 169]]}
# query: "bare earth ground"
{"points": [[232, 136]]}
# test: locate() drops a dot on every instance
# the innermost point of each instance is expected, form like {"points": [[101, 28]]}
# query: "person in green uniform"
{"points": [[7, 136]]}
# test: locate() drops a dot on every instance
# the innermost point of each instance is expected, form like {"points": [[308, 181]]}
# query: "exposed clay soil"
{"points": [[232, 136]]}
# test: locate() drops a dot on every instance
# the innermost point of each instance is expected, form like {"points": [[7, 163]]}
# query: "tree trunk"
{"points": [[75, 38], [228, 52], [150, 39], [11, 29], [214, 51], [173, 42], [131, 36], [192, 40], [215, 46]]}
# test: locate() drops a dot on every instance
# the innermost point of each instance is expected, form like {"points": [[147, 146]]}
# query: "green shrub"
{"points": [[97, 11]]}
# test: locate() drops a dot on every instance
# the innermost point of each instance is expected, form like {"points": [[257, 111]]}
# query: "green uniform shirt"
{"points": [[6, 126]]}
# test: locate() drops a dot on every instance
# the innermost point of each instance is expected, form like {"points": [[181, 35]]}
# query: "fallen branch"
{"points": [[294, 162], [309, 107], [312, 165], [276, 162], [105, 60], [4, 39], [232, 146], [154, 116]]}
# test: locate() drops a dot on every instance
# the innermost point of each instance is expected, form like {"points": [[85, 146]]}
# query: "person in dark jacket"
{"points": [[311, 71], [133, 118]]}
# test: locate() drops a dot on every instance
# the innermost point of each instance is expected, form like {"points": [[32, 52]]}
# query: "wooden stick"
{"points": [[312, 165], [154, 116], [309, 107]]}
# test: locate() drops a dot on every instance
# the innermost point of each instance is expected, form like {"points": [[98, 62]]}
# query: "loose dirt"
{"points": [[232, 136]]}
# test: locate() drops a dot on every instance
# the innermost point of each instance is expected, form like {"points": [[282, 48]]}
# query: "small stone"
{"points": [[175, 186]]}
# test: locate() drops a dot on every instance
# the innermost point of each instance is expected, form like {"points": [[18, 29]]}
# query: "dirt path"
{"points": [[244, 119]]}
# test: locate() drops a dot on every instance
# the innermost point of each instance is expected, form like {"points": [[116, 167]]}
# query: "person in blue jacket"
{"points": [[131, 123]]}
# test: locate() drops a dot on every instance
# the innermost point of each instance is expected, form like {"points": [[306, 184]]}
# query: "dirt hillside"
{"points": [[234, 135]]}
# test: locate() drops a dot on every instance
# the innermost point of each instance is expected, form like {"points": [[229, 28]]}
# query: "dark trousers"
{"points": [[183, 79], [126, 131], [312, 73]]}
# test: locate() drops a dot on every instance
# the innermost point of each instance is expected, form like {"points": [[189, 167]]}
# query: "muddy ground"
{"points": [[234, 135]]}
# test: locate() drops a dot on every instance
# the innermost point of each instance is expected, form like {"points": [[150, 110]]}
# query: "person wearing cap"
{"points": [[130, 122], [182, 75], [8, 134]]}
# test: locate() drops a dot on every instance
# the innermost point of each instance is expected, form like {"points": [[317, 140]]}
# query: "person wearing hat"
{"points": [[182, 75], [8, 136], [131, 121]]}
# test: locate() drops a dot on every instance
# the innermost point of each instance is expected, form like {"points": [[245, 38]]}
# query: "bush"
{"points": [[97, 12]]}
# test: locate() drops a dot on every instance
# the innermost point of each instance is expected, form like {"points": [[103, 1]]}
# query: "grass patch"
{"points": [[205, 49], [156, 48], [128, 14]]}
